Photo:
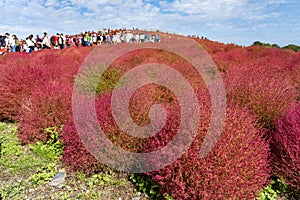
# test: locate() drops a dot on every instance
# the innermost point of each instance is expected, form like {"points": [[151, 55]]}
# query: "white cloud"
{"points": [[24, 17], [216, 9], [205, 7]]}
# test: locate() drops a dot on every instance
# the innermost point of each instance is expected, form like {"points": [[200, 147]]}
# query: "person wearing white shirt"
{"points": [[7, 41], [142, 37], [129, 37], [114, 39], [137, 38], [46, 41], [118, 35], [25, 47], [30, 43], [94, 39], [12, 44]]}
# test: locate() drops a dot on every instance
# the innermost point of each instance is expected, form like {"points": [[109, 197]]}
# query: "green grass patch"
{"points": [[33, 165], [26, 170], [14, 157]]}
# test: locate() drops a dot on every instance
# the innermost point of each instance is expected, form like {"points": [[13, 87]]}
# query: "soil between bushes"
{"points": [[80, 191]]}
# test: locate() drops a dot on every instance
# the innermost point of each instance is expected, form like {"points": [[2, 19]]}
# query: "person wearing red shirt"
{"points": [[3, 50], [56, 41]]}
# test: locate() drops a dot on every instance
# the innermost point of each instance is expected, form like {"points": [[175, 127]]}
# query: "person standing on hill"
{"points": [[118, 35], [76, 40], [122, 37], [94, 39], [30, 43], [25, 46], [39, 42], [55, 41], [12, 44], [3, 50], [108, 39], [86, 39], [61, 41], [68, 41], [64, 40], [52, 41], [142, 37], [99, 38], [8, 42], [104, 38], [46, 41], [147, 37], [2, 41], [18, 43], [137, 38], [157, 38]]}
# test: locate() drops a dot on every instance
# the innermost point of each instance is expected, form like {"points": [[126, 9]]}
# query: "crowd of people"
{"points": [[11, 43]]}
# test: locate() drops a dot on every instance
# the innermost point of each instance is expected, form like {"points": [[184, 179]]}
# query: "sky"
{"points": [[229, 21]]}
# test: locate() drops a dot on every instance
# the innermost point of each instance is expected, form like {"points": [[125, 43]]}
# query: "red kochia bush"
{"points": [[237, 168], [48, 106], [21, 74], [75, 156], [261, 90], [286, 148], [16, 84], [265, 80]]}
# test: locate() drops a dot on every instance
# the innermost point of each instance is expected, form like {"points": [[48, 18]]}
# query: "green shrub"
{"points": [[270, 192], [52, 149], [145, 185], [91, 78]]}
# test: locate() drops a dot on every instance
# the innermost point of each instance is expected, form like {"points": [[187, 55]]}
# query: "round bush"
{"points": [[286, 149], [48, 106], [237, 168], [22, 74]]}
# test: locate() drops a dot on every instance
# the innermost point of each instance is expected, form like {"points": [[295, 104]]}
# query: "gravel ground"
{"points": [[20, 188]]}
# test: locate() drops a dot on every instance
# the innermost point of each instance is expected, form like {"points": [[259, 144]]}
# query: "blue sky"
{"points": [[228, 21]]}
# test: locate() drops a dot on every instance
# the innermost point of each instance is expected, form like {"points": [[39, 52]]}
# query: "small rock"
{"points": [[136, 198], [58, 180]]}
